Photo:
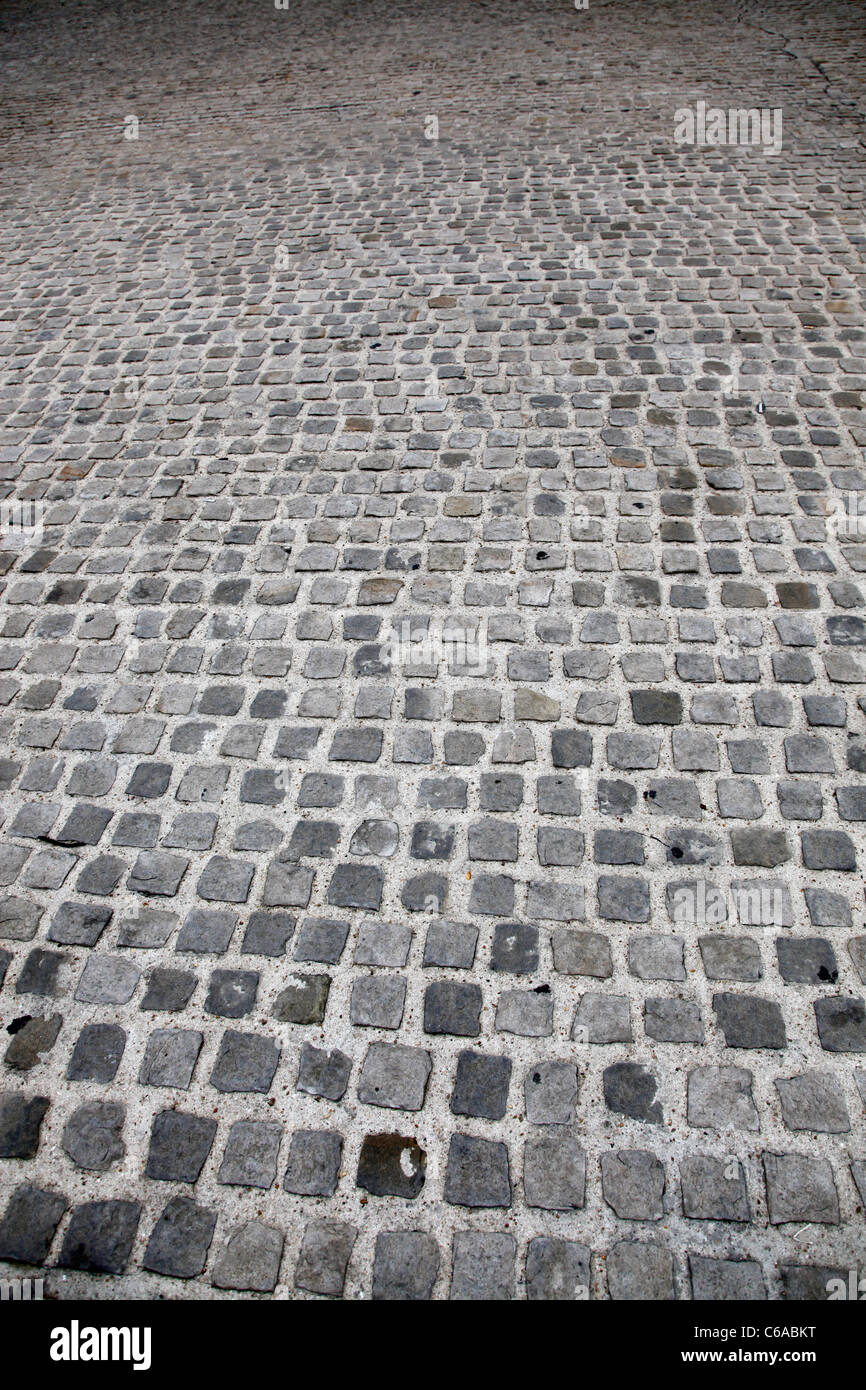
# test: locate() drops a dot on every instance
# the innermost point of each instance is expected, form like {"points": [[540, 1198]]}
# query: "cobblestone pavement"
{"points": [[433, 713]]}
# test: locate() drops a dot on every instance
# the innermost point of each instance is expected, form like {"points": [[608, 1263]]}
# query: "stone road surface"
{"points": [[433, 710]]}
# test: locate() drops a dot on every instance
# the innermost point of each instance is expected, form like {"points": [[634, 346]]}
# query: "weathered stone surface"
{"points": [[29, 1223], [715, 1280], [483, 1266], [633, 1183], [303, 1000], [92, 1136], [20, 1122], [37, 1036], [250, 1259], [170, 1058], [245, 1062], [813, 1101], [391, 1166], [477, 1174], [325, 1253], [451, 1006], [720, 1098], [554, 1171], [748, 1021], [179, 1146], [550, 1090], [714, 1189], [841, 1024], [807, 960], [314, 1163], [394, 1076], [323, 1073], [99, 1237], [640, 1270], [250, 1157], [629, 1089], [180, 1240], [812, 1283], [557, 1270], [528, 1013], [800, 1189], [97, 1053], [107, 980], [481, 1085], [582, 953]]}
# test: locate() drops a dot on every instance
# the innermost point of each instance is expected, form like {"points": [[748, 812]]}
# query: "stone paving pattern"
{"points": [[326, 975]]}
